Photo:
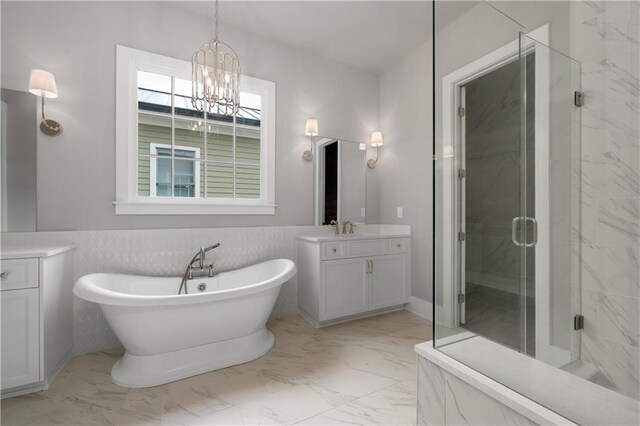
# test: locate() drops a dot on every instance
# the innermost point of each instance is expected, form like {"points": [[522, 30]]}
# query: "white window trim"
{"points": [[128, 202], [153, 167]]}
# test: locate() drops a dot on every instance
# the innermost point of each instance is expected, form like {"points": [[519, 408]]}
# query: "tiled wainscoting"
{"points": [[165, 252]]}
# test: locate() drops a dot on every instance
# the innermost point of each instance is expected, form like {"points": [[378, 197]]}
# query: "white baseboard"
{"points": [[420, 307]]}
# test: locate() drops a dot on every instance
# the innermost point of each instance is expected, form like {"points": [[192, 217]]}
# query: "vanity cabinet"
{"points": [[347, 277], [36, 303], [20, 338], [345, 288]]}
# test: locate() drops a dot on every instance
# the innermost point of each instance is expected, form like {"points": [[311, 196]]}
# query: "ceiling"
{"points": [[368, 35]]}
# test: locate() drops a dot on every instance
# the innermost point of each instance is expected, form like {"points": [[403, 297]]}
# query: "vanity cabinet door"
{"points": [[344, 284], [20, 338], [389, 281]]}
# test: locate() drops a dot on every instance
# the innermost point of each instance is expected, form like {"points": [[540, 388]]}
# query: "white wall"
{"points": [[405, 165], [76, 41]]}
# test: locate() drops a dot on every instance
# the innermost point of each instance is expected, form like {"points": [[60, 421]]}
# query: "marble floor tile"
{"points": [[368, 410], [360, 372]]}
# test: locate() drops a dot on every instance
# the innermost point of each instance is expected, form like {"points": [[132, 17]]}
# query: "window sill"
{"points": [[159, 207]]}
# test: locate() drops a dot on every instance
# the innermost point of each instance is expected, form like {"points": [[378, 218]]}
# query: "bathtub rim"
{"points": [[86, 289]]}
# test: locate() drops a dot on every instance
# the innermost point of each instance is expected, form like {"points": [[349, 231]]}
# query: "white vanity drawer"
{"points": [[333, 250], [18, 273], [398, 245], [366, 248]]}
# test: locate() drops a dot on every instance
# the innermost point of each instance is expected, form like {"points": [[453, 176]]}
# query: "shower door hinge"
{"points": [[462, 173], [461, 112], [461, 236], [578, 322], [578, 98], [460, 298]]}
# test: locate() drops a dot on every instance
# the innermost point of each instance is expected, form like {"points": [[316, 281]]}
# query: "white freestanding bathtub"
{"points": [[168, 336]]}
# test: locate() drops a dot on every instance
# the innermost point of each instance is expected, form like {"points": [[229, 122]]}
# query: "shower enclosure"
{"points": [[520, 147]]}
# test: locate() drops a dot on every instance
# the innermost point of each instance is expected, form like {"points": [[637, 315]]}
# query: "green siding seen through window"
{"points": [[228, 153]]}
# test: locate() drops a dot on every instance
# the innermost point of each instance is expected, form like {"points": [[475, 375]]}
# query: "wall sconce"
{"points": [[377, 142], [43, 84], [311, 130]]}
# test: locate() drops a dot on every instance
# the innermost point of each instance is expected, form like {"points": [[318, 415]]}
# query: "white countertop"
{"points": [[363, 232], [21, 251], [550, 388], [348, 237]]}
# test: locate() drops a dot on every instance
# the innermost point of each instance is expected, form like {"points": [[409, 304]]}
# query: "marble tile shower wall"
{"points": [[164, 252], [605, 39]]}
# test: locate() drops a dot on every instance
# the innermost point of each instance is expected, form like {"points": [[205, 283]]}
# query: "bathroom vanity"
{"points": [[37, 315], [343, 277]]}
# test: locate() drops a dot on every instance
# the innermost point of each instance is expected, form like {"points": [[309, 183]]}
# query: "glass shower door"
{"points": [[519, 201], [490, 181], [549, 201]]}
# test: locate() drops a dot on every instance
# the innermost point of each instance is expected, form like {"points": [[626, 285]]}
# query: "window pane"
{"points": [[248, 145], [154, 176], [219, 142], [219, 180], [163, 176], [153, 130], [247, 181], [249, 112], [154, 92], [182, 99], [186, 178], [190, 133]]}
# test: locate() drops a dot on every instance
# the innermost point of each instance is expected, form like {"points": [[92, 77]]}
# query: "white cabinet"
{"points": [[36, 303], [20, 337], [389, 278], [345, 288], [341, 280]]}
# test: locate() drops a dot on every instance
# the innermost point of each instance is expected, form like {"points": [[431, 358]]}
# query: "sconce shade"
{"points": [[42, 83], [376, 139], [311, 129]]}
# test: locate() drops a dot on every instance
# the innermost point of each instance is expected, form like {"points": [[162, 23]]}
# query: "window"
{"points": [[174, 159], [157, 182]]}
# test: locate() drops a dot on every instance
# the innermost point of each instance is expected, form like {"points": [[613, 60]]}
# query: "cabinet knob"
{"points": [[335, 250], [399, 245], [4, 275]]}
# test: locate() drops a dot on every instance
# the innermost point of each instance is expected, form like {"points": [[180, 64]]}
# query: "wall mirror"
{"points": [[19, 157], [340, 181]]}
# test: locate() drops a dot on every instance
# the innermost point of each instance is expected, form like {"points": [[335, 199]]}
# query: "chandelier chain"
{"points": [[216, 22]]}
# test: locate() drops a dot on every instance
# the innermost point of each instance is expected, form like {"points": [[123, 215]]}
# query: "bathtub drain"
{"points": [[202, 287]]}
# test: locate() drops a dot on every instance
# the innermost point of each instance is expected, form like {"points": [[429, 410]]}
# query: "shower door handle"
{"points": [[514, 231], [534, 222]]}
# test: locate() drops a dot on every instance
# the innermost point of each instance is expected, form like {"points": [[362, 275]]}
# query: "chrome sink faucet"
{"points": [[201, 270], [344, 227], [336, 226]]}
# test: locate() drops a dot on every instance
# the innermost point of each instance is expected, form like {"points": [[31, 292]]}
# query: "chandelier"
{"points": [[215, 76]]}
